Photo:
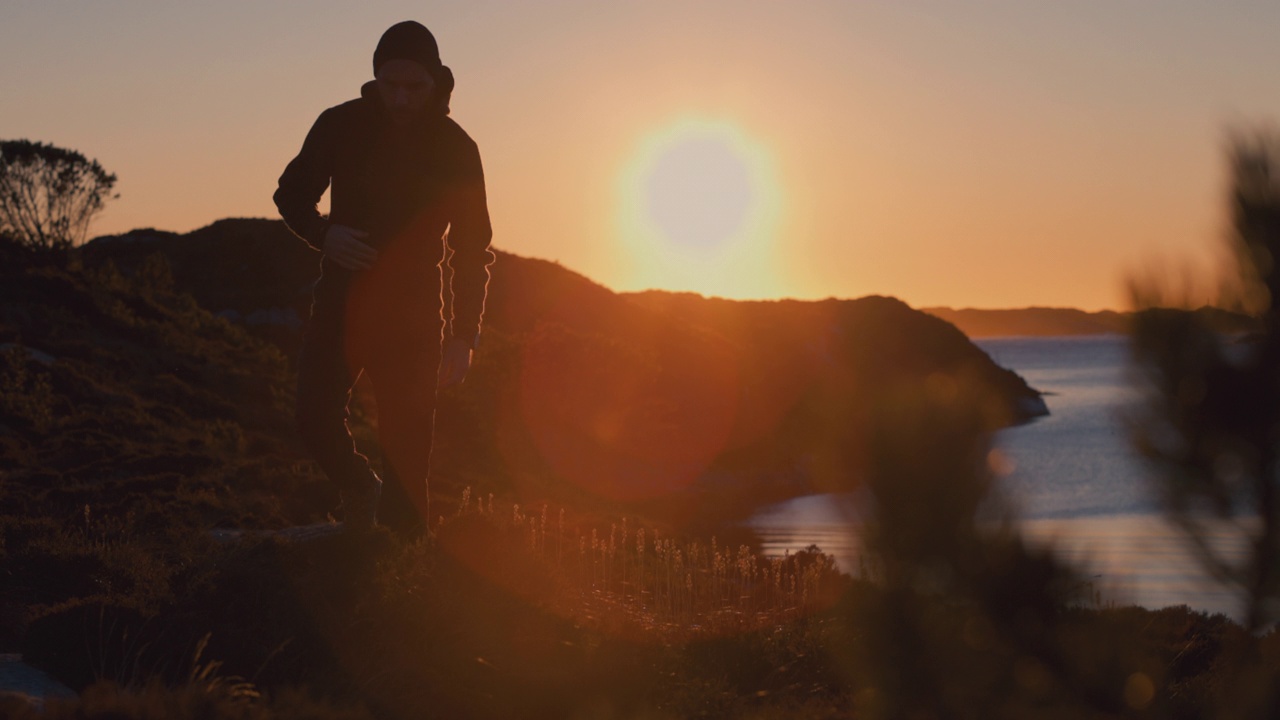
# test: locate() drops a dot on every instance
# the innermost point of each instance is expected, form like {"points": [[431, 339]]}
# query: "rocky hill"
{"points": [[160, 359]]}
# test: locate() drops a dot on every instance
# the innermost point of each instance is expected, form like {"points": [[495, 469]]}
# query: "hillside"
{"points": [[147, 386], [120, 396], [622, 397], [146, 392]]}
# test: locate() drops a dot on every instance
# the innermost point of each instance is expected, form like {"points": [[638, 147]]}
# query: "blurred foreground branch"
{"points": [[962, 618], [1210, 421]]}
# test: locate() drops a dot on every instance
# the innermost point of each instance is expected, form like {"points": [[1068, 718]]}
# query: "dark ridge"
{"points": [[171, 370]]}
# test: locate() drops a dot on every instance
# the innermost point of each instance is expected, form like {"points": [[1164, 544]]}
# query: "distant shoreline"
{"points": [[1065, 322]]}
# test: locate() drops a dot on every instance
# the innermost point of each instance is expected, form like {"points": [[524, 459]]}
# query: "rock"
{"points": [[21, 683], [41, 357]]}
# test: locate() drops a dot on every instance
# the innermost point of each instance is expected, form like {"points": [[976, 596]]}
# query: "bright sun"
{"points": [[698, 210]]}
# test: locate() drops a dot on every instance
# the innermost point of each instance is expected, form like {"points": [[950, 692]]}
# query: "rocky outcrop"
{"points": [[581, 390]]}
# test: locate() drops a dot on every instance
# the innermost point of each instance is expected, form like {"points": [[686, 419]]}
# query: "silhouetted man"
{"points": [[405, 180]]}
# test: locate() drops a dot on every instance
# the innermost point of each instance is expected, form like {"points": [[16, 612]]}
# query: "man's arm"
{"points": [[304, 182], [469, 236]]}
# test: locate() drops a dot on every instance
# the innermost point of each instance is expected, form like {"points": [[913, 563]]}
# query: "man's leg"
{"points": [[404, 381], [324, 391]]}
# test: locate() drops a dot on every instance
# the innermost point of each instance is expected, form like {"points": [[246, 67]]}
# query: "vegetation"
{"points": [[48, 194], [1213, 405], [499, 615], [1211, 414], [481, 622]]}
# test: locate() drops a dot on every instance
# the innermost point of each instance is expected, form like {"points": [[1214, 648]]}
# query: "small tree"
{"points": [[48, 195]]}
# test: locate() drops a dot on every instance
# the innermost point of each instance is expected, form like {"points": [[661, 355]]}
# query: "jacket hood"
{"points": [[440, 105]]}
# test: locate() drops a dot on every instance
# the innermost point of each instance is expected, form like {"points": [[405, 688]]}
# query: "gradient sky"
{"points": [[975, 154]]}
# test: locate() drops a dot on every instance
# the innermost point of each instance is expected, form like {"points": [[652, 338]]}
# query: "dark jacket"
{"points": [[405, 194]]}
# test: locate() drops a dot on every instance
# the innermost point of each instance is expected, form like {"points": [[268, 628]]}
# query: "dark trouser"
{"points": [[397, 342]]}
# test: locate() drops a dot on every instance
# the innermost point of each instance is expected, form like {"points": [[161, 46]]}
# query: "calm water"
{"points": [[1077, 462], [1076, 482]]}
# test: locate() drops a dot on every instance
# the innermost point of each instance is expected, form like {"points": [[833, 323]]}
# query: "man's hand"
{"points": [[454, 363], [344, 246]]}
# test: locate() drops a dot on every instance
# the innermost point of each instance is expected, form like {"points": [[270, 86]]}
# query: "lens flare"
{"points": [[626, 422], [699, 208]]}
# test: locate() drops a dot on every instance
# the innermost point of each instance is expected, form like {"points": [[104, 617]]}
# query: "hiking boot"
{"points": [[360, 506]]}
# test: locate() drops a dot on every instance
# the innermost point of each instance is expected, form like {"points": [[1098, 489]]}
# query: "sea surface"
{"points": [[1074, 478]]}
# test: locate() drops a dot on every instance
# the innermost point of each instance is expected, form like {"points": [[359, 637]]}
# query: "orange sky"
{"points": [[999, 154]]}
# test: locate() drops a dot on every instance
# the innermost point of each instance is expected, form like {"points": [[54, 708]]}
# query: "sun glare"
{"points": [[698, 210]]}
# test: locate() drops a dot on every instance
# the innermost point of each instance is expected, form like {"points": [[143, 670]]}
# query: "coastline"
{"points": [[1073, 480]]}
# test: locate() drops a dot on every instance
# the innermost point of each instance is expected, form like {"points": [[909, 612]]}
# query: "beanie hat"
{"points": [[411, 40], [408, 40]]}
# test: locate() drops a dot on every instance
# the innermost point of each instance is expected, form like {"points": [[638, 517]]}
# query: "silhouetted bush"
{"points": [[1210, 423], [48, 194]]}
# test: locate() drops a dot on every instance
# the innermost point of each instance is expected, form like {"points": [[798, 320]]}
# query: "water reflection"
{"points": [[1131, 559]]}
